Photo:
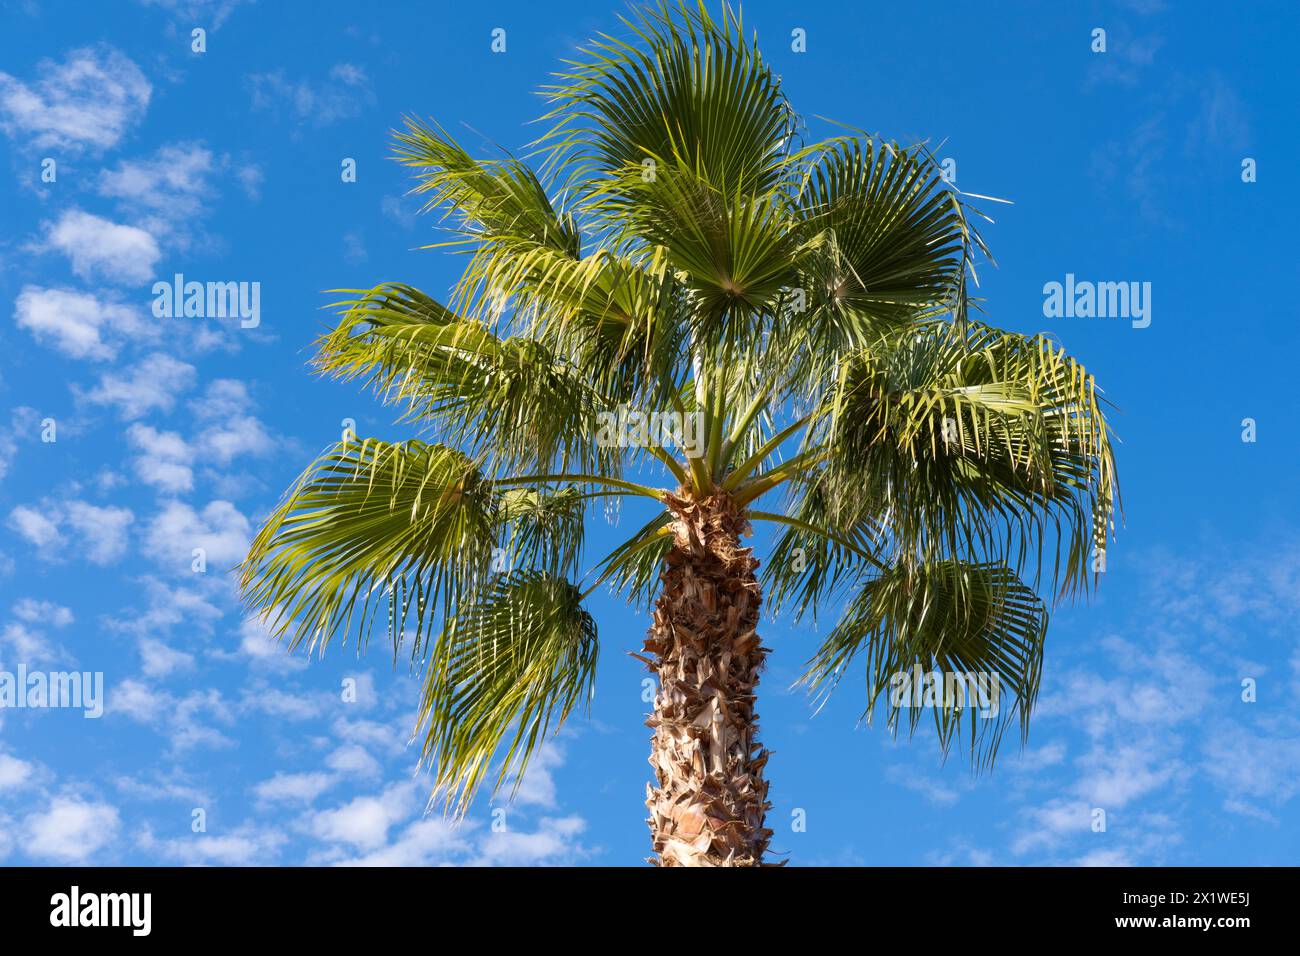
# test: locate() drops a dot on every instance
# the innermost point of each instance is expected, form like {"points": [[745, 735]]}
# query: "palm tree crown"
{"points": [[679, 250]]}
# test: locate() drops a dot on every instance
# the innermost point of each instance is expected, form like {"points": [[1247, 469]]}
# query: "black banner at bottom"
{"points": [[335, 906]]}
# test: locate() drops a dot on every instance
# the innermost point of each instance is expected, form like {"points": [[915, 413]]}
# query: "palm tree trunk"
{"points": [[708, 806]]}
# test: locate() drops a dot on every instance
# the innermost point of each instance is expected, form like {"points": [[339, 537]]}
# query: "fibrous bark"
{"points": [[708, 805]]}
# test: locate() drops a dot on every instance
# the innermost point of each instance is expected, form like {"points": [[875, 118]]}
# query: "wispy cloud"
{"points": [[343, 94]]}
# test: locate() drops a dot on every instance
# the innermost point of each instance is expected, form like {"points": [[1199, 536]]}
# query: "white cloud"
{"points": [[246, 846], [170, 185], [1254, 768], [87, 102], [1038, 758], [43, 612], [191, 604], [387, 829], [256, 643], [223, 398], [28, 646], [100, 532], [14, 773], [208, 13], [282, 704], [230, 430], [241, 435], [365, 821], [164, 460], [1127, 58], [293, 787], [352, 759], [24, 422], [180, 719], [138, 701], [168, 194], [422, 843], [395, 209], [151, 384], [435, 841], [219, 529], [167, 461], [38, 528], [373, 734], [538, 786], [99, 248], [1052, 822], [932, 789], [79, 324], [1105, 858], [156, 785], [70, 830], [1118, 773], [354, 247], [250, 180], [159, 659], [553, 842]]}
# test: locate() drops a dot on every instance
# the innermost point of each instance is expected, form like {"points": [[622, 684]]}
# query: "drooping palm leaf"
{"points": [[542, 528], [975, 442], [507, 400], [408, 526], [977, 621], [513, 661]]}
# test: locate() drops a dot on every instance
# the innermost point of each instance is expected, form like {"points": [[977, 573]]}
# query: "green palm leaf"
{"points": [[510, 401], [976, 442], [408, 526], [974, 620], [688, 89], [889, 234], [542, 528], [513, 661]]}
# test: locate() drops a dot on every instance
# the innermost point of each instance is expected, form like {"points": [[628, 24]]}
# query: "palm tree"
{"points": [[774, 321]]}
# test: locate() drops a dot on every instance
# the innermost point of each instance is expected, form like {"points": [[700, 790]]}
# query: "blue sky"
{"points": [[175, 433]]}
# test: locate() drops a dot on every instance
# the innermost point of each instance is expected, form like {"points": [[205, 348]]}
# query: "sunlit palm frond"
{"points": [[489, 200], [542, 528], [507, 400], [407, 528], [814, 561], [617, 316], [955, 618], [735, 253], [512, 663], [975, 442], [687, 89], [890, 232]]}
